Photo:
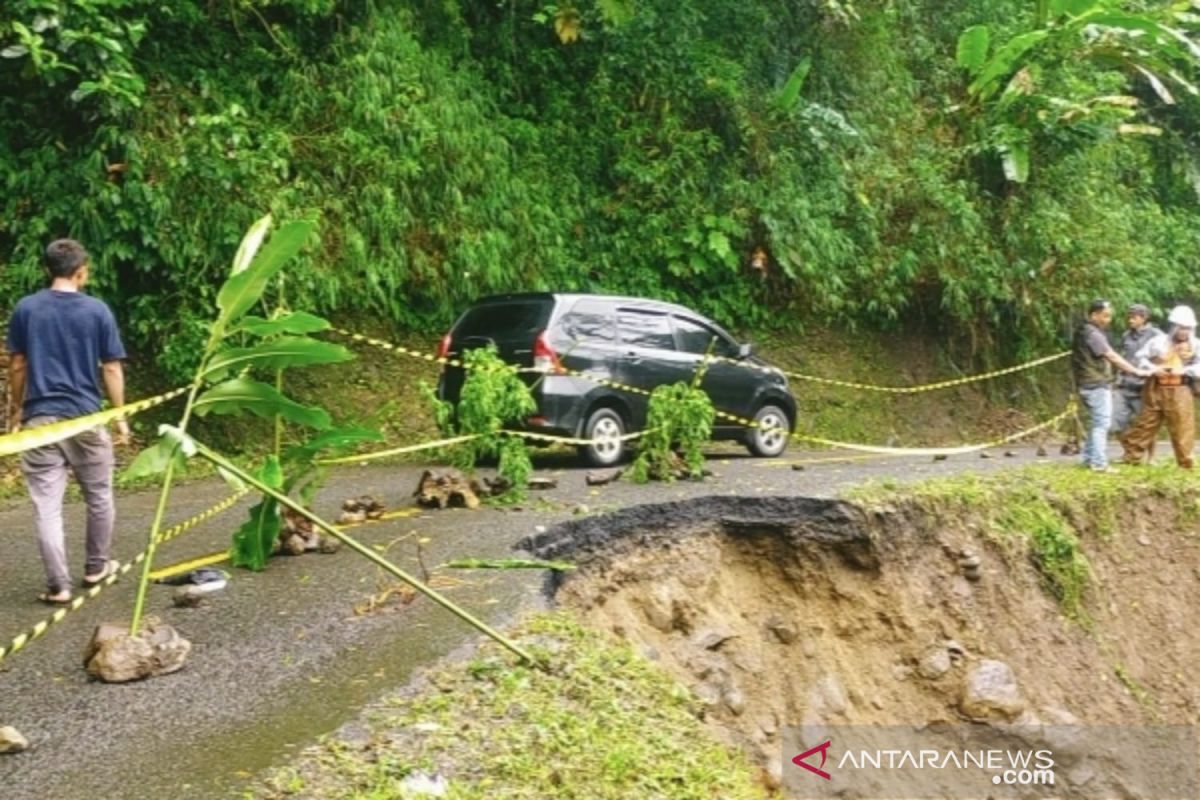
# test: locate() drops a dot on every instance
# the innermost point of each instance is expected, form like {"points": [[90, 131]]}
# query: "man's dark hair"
{"points": [[1098, 305], [64, 257]]}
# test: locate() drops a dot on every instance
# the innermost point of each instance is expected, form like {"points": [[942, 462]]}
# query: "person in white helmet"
{"points": [[1175, 361]]}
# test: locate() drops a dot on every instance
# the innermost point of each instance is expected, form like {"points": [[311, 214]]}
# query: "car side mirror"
{"points": [[744, 350]]}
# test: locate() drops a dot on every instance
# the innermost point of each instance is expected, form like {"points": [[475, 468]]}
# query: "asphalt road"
{"points": [[281, 657]]}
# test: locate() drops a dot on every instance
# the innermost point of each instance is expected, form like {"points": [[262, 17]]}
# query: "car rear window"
{"points": [[503, 319]]}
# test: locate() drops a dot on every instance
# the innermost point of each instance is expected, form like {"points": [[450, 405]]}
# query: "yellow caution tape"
{"points": [[189, 565], [571, 440], [23, 639], [928, 387], [396, 348], [43, 435], [365, 457], [917, 451]]}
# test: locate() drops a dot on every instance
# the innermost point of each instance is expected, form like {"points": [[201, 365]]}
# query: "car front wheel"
{"points": [[769, 436], [605, 428]]}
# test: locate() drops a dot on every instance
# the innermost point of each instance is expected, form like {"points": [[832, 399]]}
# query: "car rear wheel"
{"points": [[769, 436], [605, 428]]}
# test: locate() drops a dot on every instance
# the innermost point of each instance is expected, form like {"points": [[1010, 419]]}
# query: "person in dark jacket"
{"points": [[1092, 360]]}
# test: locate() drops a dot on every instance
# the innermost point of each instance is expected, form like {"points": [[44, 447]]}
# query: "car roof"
{"points": [[616, 299]]}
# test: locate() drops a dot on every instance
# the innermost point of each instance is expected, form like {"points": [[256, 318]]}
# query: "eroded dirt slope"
{"points": [[785, 611]]}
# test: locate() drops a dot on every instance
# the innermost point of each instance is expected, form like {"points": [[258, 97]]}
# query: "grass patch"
{"points": [[601, 723], [1042, 510]]}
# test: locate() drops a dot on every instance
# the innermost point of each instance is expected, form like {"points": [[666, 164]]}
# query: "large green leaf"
{"points": [[250, 244], [295, 323], [287, 351], [243, 289], [972, 49], [154, 460], [1005, 62], [790, 93], [242, 394], [254, 540]]}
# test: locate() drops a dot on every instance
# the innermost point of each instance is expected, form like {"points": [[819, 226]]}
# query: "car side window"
{"points": [[693, 337], [645, 329], [589, 322]]}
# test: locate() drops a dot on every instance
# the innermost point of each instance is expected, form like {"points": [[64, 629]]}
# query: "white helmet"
{"points": [[1182, 315]]}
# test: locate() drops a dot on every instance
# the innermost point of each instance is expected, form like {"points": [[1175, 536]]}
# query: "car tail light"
{"points": [[443, 350], [544, 357]]}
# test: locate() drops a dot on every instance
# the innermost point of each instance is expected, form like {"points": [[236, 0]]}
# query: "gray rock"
{"points": [[735, 701], [114, 656], [599, 477], [934, 664], [539, 483], [991, 692], [11, 740], [659, 607], [330, 545], [192, 595], [827, 697], [784, 630]]}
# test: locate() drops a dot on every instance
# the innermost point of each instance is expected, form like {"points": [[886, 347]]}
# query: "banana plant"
{"points": [[224, 383], [1012, 84]]}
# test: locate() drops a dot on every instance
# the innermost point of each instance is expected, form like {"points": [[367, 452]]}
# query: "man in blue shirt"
{"points": [[62, 342]]}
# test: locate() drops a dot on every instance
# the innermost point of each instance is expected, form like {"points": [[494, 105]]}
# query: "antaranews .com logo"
{"points": [[972, 761], [1010, 767]]}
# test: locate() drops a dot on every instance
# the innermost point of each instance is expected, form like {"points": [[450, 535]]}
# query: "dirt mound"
{"points": [[784, 612]]}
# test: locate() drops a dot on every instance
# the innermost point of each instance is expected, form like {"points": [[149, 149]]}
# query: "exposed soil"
{"points": [[791, 611]]}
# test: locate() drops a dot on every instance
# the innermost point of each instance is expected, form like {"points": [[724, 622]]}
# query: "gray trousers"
{"points": [[1127, 405], [89, 455]]}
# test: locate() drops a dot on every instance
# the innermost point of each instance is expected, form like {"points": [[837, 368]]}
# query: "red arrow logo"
{"points": [[822, 749]]}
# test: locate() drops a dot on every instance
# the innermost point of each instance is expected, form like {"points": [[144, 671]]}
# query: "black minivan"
{"points": [[626, 340]]}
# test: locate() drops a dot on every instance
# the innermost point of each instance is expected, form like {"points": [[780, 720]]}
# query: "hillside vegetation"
{"points": [[895, 163]]}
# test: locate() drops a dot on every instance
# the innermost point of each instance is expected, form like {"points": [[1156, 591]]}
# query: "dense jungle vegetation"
{"points": [[976, 167]]}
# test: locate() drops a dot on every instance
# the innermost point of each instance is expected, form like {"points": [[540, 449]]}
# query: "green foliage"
{"points": [[493, 398], [1054, 548], [255, 539], [680, 416], [1033, 82], [602, 723], [974, 168], [239, 343]]}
